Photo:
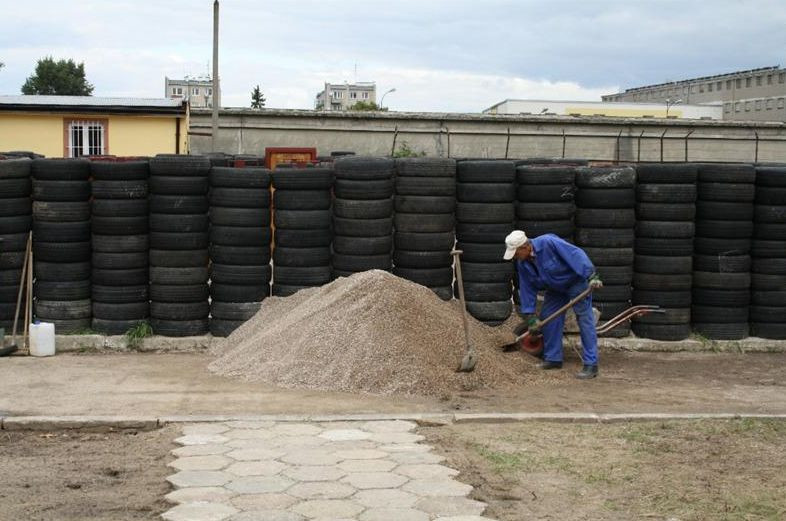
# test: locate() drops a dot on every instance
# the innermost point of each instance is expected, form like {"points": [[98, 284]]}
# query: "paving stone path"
{"points": [[282, 471]]}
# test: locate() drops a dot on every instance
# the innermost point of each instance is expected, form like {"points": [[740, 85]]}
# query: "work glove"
{"points": [[595, 282], [532, 325], [528, 324]]}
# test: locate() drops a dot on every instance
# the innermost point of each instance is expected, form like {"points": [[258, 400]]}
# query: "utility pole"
{"points": [[216, 87]]}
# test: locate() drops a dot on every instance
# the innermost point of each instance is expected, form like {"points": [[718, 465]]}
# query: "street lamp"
{"points": [[669, 103], [383, 97]]}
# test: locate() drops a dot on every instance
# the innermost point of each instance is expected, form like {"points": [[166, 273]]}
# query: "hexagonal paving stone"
{"points": [[404, 447], [205, 428], [360, 454], [199, 494], [256, 468], [321, 490], [320, 473], [249, 424], [252, 443], [267, 515], [296, 429], [367, 465], [450, 506], [201, 439], [250, 434], [416, 458], [396, 437], [428, 472], [255, 454], [199, 512], [345, 435], [336, 446], [385, 498], [388, 426], [200, 450], [366, 480], [259, 484], [263, 501], [466, 518], [399, 514], [199, 478], [284, 441], [329, 508], [310, 457], [444, 487], [200, 463]]}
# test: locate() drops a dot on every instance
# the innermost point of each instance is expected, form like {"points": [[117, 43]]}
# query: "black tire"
{"points": [[487, 271], [711, 280], [302, 238], [16, 207], [61, 290], [61, 231], [605, 177], [424, 204], [303, 179], [363, 168], [178, 241], [120, 243], [768, 330], [721, 246], [722, 263], [11, 277], [242, 255], [613, 293], [539, 175], [425, 167], [610, 256], [179, 310], [120, 171], [724, 229], [234, 310], [731, 192], [14, 225], [63, 309], [665, 229], [423, 223], [179, 293], [251, 217], [662, 282], [115, 327], [429, 277], [606, 198], [69, 326], [664, 332], [727, 173], [14, 241], [763, 281], [663, 265], [667, 316], [484, 291], [486, 171], [721, 297], [240, 177], [768, 249], [302, 199], [119, 208], [429, 186], [666, 193], [665, 212], [128, 311], [771, 231], [724, 210], [614, 275], [603, 218], [485, 213], [724, 331], [545, 193], [312, 276], [239, 293], [61, 251], [302, 219], [179, 328], [664, 247], [247, 236], [545, 211], [120, 225], [179, 165], [11, 259], [771, 176], [61, 211], [120, 189], [119, 261], [677, 299], [363, 209], [363, 227], [15, 168], [763, 213], [482, 233], [363, 245], [285, 290], [768, 314], [178, 186], [420, 259], [241, 197], [769, 298], [668, 173], [178, 276], [424, 241], [179, 204], [610, 309], [358, 263], [491, 313], [60, 169], [480, 252], [773, 266], [564, 229], [605, 237], [178, 258], [119, 294], [14, 188], [223, 328], [120, 277], [286, 256], [486, 192], [61, 191]]}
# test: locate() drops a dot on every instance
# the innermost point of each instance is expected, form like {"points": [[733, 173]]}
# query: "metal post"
{"points": [[507, 144], [638, 148], [661, 144], [756, 154], [395, 136], [564, 142], [686, 145], [216, 88]]}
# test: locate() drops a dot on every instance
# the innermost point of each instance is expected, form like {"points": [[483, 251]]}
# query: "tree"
{"points": [[257, 99], [367, 106], [63, 78]]}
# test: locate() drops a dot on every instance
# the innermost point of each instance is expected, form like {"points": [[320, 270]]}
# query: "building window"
{"points": [[727, 107], [364, 95], [728, 84], [747, 106], [737, 107], [782, 77], [178, 91], [738, 83], [769, 104], [758, 104], [353, 95], [195, 91], [210, 91], [748, 82], [86, 138], [780, 103], [758, 81], [337, 94], [769, 79], [719, 85], [709, 87]]}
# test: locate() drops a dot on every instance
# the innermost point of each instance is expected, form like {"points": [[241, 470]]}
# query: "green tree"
{"points": [[257, 99], [64, 78], [367, 106]]}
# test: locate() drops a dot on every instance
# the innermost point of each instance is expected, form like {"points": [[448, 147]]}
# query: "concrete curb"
{"points": [[50, 423]]}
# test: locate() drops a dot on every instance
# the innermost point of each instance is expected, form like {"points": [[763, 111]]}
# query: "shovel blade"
{"points": [[467, 363]]}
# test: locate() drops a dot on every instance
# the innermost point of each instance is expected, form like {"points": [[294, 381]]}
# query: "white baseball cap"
{"points": [[513, 241]]}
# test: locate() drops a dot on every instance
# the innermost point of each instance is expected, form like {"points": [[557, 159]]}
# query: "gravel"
{"points": [[369, 333]]}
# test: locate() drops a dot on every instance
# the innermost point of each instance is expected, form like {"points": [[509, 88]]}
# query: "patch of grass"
{"points": [[135, 335], [83, 331], [503, 462]]}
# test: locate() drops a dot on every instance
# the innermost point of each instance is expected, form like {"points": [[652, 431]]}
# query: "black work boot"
{"points": [[587, 372], [550, 365]]}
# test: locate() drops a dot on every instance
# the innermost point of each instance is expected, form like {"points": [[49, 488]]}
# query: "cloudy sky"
{"points": [[440, 55]]}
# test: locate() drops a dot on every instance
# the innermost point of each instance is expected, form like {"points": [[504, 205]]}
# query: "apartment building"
{"points": [[197, 91], [751, 95], [341, 96]]}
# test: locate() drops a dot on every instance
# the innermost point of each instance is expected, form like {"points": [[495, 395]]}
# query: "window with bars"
{"points": [[86, 138]]}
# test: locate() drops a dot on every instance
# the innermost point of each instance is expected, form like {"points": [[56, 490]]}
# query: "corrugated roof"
{"points": [[93, 101]]}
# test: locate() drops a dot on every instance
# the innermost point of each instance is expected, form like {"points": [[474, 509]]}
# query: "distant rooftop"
{"points": [[94, 101], [703, 78]]}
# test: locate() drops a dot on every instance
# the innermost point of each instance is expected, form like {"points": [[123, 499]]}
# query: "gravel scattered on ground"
{"points": [[371, 333]]}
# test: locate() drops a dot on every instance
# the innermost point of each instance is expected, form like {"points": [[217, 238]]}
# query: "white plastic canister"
{"points": [[42, 339]]}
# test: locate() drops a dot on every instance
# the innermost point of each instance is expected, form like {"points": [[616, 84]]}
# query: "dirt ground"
{"points": [[76, 475], [686, 471]]}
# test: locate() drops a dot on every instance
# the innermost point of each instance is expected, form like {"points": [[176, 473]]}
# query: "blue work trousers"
{"points": [[552, 332]]}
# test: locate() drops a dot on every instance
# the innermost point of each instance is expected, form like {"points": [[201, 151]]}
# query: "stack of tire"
{"points": [[425, 203], [722, 262], [663, 268], [303, 229], [362, 215], [485, 211], [768, 280], [544, 200], [178, 245], [239, 245], [15, 224], [120, 245], [61, 243], [605, 222]]}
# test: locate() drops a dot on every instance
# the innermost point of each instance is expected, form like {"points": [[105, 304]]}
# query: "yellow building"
{"points": [[75, 126]]}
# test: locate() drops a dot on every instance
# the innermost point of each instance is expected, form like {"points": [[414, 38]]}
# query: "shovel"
{"points": [[470, 358]]}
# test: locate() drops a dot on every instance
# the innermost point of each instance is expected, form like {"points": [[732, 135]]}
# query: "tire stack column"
{"points": [[178, 245], [61, 243], [120, 290], [663, 269], [722, 262], [15, 225], [768, 280], [544, 200], [485, 211], [605, 222], [239, 245], [425, 204], [362, 215], [302, 237]]}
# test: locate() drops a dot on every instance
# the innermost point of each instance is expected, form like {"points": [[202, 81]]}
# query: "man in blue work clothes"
{"points": [[563, 270]]}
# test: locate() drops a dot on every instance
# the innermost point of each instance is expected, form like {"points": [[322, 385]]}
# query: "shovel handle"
{"points": [[557, 313], [456, 255]]}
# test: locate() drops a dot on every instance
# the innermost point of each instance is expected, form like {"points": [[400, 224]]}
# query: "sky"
{"points": [[439, 55]]}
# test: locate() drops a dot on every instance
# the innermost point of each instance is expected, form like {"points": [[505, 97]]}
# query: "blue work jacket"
{"points": [[557, 266]]}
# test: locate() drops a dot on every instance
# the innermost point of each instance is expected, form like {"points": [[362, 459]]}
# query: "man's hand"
{"points": [[532, 325], [595, 282]]}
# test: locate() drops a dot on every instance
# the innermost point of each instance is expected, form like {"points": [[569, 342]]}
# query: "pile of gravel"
{"points": [[372, 332]]}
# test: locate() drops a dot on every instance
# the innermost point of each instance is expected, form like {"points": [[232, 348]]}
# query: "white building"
{"points": [[197, 91], [609, 109], [341, 96]]}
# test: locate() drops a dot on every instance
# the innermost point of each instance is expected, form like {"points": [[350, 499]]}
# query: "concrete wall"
{"points": [[244, 131]]}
